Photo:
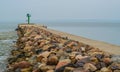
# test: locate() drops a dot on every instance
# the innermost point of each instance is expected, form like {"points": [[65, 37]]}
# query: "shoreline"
{"points": [[39, 49], [111, 48]]}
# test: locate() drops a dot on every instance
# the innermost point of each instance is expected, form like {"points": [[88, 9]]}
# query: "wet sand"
{"points": [[97, 44]]}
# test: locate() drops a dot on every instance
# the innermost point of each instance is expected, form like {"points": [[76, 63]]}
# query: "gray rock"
{"points": [[116, 58]]}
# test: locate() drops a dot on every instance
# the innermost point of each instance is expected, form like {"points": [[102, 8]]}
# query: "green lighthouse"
{"points": [[28, 16]]}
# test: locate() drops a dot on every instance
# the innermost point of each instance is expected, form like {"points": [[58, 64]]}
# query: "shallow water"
{"points": [[106, 34], [102, 31], [6, 45]]}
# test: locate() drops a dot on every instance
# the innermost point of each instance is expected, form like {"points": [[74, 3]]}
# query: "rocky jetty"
{"points": [[38, 50]]}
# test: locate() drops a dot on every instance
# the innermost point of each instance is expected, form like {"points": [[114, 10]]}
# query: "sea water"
{"points": [[107, 32], [7, 36], [103, 31]]}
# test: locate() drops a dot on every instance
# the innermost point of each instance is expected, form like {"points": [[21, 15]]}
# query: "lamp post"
{"points": [[28, 16]]}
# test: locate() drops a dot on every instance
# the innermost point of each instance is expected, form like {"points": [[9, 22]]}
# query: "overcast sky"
{"points": [[15, 10]]}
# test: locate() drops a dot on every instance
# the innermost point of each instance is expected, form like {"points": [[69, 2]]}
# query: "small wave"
{"points": [[3, 58], [6, 41], [8, 35], [2, 67]]}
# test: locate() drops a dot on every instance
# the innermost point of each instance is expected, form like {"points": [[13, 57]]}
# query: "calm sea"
{"points": [[7, 36], [103, 31]]}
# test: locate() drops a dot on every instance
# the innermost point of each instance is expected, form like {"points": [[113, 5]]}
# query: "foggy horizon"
{"points": [[52, 10]]}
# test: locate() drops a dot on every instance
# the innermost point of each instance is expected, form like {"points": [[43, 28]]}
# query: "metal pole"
{"points": [[28, 19], [28, 16]]}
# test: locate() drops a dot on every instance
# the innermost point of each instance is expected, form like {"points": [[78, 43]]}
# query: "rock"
{"points": [[39, 58], [68, 69], [15, 52], [83, 49], [26, 69], [41, 65], [79, 64], [60, 53], [107, 60], [46, 47], [89, 66], [27, 48], [16, 70], [28, 54], [41, 44], [94, 59], [116, 58], [22, 64], [99, 56], [50, 71], [60, 45], [72, 58], [100, 65], [79, 70], [44, 54], [95, 52], [104, 69], [39, 50], [12, 59], [46, 68], [37, 37], [62, 63], [107, 55], [72, 43], [68, 50], [36, 70], [114, 67], [80, 57], [29, 43], [52, 60], [116, 70], [24, 39], [20, 59], [44, 60]]}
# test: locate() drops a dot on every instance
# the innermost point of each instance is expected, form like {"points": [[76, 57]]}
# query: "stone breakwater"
{"points": [[38, 50]]}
